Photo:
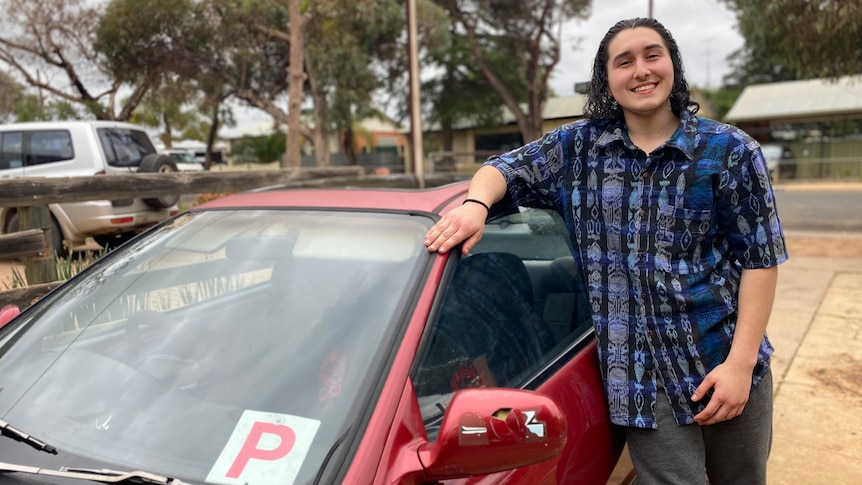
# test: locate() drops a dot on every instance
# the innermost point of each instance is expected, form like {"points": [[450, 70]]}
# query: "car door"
{"points": [[514, 313]]}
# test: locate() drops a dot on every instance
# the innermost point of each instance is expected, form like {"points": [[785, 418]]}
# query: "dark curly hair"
{"points": [[601, 105]]}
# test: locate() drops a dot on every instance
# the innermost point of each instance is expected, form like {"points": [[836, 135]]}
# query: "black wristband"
{"points": [[486, 206]]}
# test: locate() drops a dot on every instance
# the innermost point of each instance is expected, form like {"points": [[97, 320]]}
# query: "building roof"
{"points": [[798, 100]]}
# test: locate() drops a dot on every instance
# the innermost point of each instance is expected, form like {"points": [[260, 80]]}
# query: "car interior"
{"points": [[515, 304]]}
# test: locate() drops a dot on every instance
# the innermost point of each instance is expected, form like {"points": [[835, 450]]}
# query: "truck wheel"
{"points": [[158, 163]]}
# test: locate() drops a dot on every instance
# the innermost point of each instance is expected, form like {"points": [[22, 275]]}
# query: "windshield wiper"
{"points": [[101, 476], [11, 432]]}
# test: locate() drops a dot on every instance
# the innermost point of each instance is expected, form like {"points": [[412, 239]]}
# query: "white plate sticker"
{"points": [[264, 448]]}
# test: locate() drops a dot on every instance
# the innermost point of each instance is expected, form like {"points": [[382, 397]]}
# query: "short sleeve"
{"points": [[747, 210]]}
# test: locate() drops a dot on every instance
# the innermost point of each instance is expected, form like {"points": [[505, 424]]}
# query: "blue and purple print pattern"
{"points": [[661, 240]]}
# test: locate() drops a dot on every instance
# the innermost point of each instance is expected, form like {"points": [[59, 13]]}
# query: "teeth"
{"points": [[644, 88]]}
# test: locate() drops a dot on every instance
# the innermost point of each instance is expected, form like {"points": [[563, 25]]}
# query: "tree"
{"points": [[166, 108], [349, 48], [10, 92], [346, 44], [49, 45], [528, 33], [752, 64], [250, 58], [147, 43], [461, 93], [813, 39], [296, 82]]}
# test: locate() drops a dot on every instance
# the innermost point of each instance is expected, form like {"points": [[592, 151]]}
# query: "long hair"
{"points": [[600, 104]]}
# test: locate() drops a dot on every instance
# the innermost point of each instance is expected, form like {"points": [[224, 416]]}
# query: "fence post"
{"points": [[40, 268]]}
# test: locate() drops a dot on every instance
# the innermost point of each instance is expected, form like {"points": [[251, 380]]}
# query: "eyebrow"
{"points": [[627, 53]]}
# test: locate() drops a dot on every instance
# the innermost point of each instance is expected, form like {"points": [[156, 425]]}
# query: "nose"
{"points": [[642, 71]]}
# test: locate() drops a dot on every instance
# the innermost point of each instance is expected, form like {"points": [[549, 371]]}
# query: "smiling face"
{"points": [[640, 72]]}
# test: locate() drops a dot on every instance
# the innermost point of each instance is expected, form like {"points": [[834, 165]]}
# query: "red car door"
{"points": [[512, 314]]}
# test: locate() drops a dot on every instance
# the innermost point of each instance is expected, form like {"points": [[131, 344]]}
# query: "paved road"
{"points": [[820, 207], [820, 210]]}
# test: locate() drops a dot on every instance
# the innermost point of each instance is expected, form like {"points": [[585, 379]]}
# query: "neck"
{"points": [[648, 132]]}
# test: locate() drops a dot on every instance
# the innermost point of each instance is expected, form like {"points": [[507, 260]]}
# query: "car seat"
{"points": [[488, 310]]}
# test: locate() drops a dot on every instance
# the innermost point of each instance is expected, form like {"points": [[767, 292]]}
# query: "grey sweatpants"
{"points": [[730, 452]]}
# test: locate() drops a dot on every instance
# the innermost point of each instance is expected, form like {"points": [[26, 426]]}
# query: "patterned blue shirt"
{"points": [[661, 240]]}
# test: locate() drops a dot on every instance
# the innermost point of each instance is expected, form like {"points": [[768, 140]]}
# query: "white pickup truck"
{"points": [[85, 148]]}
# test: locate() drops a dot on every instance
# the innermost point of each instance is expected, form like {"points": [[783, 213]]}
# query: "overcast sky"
{"points": [[704, 29]]}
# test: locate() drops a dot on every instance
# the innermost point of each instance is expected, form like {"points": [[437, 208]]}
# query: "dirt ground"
{"points": [[838, 245]]}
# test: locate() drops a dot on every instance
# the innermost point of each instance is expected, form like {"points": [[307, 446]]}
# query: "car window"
{"points": [[509, 310], [124, 147], [49, 147], [175, 343], [11, 154]]}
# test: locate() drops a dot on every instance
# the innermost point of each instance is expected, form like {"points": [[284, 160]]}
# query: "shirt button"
{"points": [[641, 213]]}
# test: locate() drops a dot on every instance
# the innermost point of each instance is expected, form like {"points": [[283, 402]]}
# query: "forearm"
{"points": [[756, 296], [487, 185]]}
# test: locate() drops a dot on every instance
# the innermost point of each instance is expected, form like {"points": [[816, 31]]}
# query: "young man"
{"points": [[674, 226]]}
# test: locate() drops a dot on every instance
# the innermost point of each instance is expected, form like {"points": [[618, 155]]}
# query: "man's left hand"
{"points": [[730, 387]]}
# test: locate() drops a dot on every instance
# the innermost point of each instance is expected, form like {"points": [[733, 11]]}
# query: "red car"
{"points": [[303, 336]]}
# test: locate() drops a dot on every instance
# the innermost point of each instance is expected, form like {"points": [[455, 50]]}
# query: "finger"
{"points": [[707, 414], [703, 389], [447, 241], [469, 243], [436, 239], [435, 231]]}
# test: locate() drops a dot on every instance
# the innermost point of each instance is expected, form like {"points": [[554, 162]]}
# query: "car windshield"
{"points": [[190, 351]]}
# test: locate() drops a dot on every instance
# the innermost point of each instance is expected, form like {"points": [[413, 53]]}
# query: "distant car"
{"points": [[85, 148], [184, 160], [780, 161], [307, 336]]}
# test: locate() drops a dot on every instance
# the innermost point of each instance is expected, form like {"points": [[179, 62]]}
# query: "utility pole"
{"points": [[415, 105], [649, 12]]}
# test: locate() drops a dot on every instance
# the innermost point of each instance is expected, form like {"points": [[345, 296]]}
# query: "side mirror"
{"points": [[489, 430]]}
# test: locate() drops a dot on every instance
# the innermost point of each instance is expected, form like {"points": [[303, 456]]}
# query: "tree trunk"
{"points": [[211, 137], [168, 136], [347, 145], [296, 81], [320, 135]]}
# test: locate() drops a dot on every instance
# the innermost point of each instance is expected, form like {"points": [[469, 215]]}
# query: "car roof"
{"points": [[53, 125], [434, 200]]}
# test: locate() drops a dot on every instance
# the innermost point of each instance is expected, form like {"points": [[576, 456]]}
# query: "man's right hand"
{"points": [[465, 223]]}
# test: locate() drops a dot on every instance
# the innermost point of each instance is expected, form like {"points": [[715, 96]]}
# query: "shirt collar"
{"points": [[683, 139]]}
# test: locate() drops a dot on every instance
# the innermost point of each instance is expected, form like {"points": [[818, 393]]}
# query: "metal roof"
{"points": [[799, 100]]}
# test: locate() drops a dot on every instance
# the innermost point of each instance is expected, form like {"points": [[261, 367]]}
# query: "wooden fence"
{"points": [[32, 195]]}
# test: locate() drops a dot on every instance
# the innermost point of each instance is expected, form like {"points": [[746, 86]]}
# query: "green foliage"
{"points": [[64, 268], [812, 39], [252, 62], [720, 100], [29, 107], [347, 45], [10, 92], [516, 45], [462, 94], [261, 149], [170, 107], [150, 38]]}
